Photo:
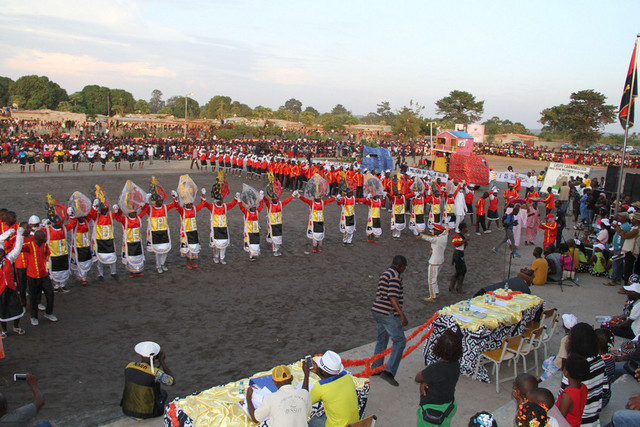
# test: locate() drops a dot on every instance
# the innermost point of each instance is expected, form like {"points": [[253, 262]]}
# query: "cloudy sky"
{"points": [[518, 56]]}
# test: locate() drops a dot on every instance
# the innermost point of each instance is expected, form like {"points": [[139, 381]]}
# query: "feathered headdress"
{"points": [[97, 192], [346, 184]]}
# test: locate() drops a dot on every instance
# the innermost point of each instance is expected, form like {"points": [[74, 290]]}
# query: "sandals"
{"points": [[19, 331]]}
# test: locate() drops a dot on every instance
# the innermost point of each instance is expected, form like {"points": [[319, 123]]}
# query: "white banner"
{"points": [[336, 165], [426, 172], [559, 172]]}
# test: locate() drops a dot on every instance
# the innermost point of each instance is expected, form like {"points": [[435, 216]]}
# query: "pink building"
{"points": [[453, 141]]}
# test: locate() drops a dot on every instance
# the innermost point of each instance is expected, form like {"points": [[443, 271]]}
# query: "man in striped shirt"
{"points": [[390, 320]]}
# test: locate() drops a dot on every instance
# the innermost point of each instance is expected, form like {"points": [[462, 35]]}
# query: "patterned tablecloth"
{"points": [[505, 318], [219, 406]]}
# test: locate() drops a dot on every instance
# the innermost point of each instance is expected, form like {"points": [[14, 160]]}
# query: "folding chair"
{"points": [[531, 344], [500, 355], [370, 421], [529, 327], [550, 326]]}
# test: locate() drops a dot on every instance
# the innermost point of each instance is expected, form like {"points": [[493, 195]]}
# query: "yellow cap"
{"points": [[281, 373]]}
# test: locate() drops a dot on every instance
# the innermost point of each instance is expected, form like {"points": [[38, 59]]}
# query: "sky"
{"points": [[520, 57]]}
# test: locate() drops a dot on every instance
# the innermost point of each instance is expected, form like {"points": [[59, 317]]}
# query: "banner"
{"points": [[559, 172], [336, 165], [422, 173]]}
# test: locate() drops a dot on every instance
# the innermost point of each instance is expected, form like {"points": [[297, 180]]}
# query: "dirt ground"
{"points": [[219, 322]]}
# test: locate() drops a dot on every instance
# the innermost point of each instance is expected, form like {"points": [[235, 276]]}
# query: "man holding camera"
{"points": [[24, 414]]}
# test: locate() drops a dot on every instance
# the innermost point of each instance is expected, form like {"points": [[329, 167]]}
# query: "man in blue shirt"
{"points": [[621, 218]]}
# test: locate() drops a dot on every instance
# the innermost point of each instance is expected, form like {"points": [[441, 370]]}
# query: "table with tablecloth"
{"points": [[219, 406], [505, 318]]}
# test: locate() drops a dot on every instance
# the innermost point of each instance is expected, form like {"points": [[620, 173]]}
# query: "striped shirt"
{"points": [[389, 286], [596, 385]]}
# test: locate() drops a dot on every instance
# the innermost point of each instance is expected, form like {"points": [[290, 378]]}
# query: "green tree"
{"points": [[371, 119], [38, 92], [262, 113], [495, 125], [293, 105], [240, 110], [385, 113], [460, 107], [583, 119], [312, 110], [308, 118], [76, 98], [176, 103], [219, 107], [64, 106], [156, 103], [5, 82], [96, 99], [121, 101], [284, 114], [408, 120], [142, 107], [339, 110], [17, 100]]}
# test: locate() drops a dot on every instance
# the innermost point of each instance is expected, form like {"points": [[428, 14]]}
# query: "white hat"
{"points": [[569, 320], [34, 220], [631, 210], [331, 363], [148, 349], [599, 246], [578, 243], [632, 287], [605, 221]]}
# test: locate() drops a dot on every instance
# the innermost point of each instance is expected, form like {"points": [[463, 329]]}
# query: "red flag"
{"points": [[627, 103]]}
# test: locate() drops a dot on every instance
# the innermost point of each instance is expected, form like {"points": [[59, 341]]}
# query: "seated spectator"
{"points": [[537, 274], [629, 417], [288, 406], [142, 396], [573, 398], [438, 380], [23, 415], [531, 414], [335, 389], [483, 419], [628, 325], [606, 342], [554, 363], [544, 398], [566, 262], [600, 261], [583, 341], [553, 259]]}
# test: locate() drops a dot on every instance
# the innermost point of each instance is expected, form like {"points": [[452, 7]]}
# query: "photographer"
{"points": [[24, 414]]}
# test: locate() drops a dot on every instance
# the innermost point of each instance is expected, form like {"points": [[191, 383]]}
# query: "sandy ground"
{"points": [[219, 323]]}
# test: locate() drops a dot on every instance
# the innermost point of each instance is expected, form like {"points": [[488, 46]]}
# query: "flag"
{"points": [[627, 103]]}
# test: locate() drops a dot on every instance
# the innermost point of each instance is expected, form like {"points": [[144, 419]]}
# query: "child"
{"points": [[571, 400], [544, 398], [553, 364], [521, 386], [606, 342], [532, 414], [566, 262], [482, 419]]}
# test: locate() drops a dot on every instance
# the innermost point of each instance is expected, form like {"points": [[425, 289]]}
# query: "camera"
{"points": [[309, 361], [17, 377]]}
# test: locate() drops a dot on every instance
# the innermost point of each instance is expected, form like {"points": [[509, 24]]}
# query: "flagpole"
{"points": [[626, 126]]}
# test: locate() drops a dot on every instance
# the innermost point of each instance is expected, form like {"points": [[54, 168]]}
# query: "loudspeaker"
{"points": [[631, 186], [611, 180], [515, 284]]}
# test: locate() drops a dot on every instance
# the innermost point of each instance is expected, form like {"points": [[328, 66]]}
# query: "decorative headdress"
{"points": [[56, 212], [97, 192], [220, 188], [274, 189], [156, 190]]}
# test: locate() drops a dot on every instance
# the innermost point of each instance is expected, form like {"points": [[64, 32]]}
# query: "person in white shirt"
{"points": [[438, 245], [287, 407]]}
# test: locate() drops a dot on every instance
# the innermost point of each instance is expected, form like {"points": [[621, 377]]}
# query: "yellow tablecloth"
{"points": [[496, 314], [218, 406]]}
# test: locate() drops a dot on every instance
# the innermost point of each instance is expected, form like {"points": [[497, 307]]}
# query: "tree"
{"points": [[95, 99], [385, 113], [339, 110], [38, 92], [156, 103], [142, 107], [176, 103], [307, 117], [121, 101], [460, 107], [262, 113], [218, 107], [583, 119], [312, 110], [4, 91], [408, 120], [240, 110], [496, 125], [293, 105]]}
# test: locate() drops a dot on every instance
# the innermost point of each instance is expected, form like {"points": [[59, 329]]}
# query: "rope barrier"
{"points": [[368, 371]]}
